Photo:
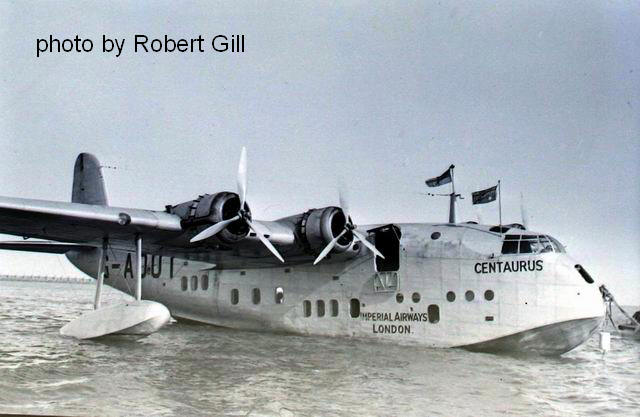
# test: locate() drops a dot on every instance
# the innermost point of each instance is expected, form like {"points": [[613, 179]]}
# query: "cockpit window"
{"points": [[510, 246], [546, 244], [530, 244], [557, 246]]}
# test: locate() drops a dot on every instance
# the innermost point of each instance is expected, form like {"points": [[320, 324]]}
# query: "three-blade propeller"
{"points": [[242, 213], [348, 227]]}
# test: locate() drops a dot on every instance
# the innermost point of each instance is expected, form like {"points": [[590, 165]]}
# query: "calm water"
{"points": [[202, 370]]}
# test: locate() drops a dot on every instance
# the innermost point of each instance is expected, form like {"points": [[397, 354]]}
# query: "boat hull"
{"points": [[552, 339]]}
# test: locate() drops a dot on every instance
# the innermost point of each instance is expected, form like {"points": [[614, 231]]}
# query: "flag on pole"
{"points": [[484, 196], [441, 180]]}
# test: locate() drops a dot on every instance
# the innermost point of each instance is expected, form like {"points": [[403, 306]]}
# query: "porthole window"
{"points": [[451, 296], [235, 296], [279, 295], [469, 295], [415, 297], [185, 283], [194, 283], [204, 282], [320, 308], [488, 295], [354, 308], [435, 235], [306, 307], [255, 296], [433, 311], [334, 308], [399, 297]]}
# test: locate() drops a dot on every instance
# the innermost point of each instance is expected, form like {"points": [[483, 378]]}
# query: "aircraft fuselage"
{"points": [[452, 287]]}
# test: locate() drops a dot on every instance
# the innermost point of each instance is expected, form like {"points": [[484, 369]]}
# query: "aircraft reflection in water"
{"points": [[485, 288]]}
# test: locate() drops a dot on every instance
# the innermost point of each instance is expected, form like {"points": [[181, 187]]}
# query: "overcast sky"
{"points": [[378, 95]]}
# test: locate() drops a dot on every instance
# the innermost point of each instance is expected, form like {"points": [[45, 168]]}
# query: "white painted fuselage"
{"points": [[453, 288]]}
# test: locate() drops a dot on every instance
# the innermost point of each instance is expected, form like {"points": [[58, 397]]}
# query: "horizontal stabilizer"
{"points": [[43, 246]]}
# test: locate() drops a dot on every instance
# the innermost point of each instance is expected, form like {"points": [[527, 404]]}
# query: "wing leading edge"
{"points": [[43, 246], [84, 223]]}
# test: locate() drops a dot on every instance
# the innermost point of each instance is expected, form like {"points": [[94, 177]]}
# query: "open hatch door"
{"points": [[387, 241]]}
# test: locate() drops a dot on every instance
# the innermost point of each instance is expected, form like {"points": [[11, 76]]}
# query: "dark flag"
{"points": [[484, 196], [441, 180]]}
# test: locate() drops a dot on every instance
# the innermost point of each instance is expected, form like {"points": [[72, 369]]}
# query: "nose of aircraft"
{"points": [[584, 307], [585, 298], [580, 311]]}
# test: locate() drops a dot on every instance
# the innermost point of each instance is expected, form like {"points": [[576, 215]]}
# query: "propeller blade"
{"points": [[523, 213], [265, 241], [344, 205], [213, 230], [330, 246], [368, 244], [242, 177], [260, 227]]}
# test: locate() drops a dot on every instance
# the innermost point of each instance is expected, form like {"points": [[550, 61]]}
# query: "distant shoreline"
{"points": [[39, 278]]}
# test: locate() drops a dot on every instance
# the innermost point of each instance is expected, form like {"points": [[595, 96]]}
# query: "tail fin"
{"points": [[88, 182]]}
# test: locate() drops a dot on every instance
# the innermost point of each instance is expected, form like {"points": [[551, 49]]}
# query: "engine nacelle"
{"points": [[209, 209], [319, 226]]}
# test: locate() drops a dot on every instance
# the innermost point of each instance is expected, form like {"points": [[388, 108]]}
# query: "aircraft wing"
{"points": [[213, 228], [78, 226], [84, 223]]}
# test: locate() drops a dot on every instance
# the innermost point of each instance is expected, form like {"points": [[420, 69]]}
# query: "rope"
{"points": [[608, 297]]}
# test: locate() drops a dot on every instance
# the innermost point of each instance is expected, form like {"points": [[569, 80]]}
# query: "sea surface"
{"points": [[190, 369]]}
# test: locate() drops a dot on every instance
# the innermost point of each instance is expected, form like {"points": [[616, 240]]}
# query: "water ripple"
{"points": [[191, 369]]}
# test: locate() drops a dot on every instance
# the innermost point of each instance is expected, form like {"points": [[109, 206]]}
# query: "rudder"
{"points": [[88, 182]]}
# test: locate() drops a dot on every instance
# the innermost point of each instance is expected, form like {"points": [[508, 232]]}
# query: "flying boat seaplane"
{"points": [[480, 287]]}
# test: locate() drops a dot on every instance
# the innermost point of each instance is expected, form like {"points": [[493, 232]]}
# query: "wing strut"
{"points": [[100, 280], [138, 267]]}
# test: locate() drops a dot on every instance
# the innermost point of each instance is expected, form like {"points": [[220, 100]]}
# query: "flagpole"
{"points": [[500, 205], [452, 198]]}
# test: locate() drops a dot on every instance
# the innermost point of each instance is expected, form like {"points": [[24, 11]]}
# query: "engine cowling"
{"points": [[209, 209], [319, 226]]}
